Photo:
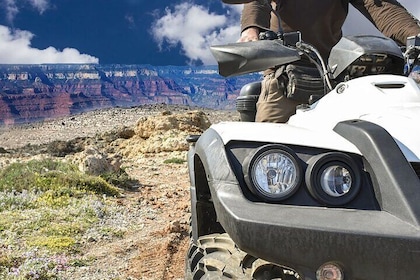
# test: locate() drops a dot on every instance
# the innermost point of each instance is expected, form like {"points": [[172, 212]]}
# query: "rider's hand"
{"points": [[249, 34]]}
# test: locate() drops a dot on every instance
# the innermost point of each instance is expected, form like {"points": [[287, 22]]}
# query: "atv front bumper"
{"points": [[367, 244]]}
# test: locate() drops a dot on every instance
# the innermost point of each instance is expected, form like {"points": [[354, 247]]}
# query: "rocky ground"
{"points": [[160, 204]]}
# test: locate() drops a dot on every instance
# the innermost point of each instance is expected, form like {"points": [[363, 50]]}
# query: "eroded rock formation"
{"points": [[36, 92]]}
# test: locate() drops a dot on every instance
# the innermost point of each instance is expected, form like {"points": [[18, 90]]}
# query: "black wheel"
{"points": [[214, 257], [190, 252], [217, 257]]}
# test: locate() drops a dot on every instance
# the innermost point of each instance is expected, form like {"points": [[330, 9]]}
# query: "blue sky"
{"points": [[126, 31]]}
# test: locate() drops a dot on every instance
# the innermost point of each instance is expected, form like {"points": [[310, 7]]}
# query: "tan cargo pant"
{"points": [[272, 104]]}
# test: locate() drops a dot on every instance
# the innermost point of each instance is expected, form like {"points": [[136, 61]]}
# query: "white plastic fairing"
{"points": [[392, 102], [284, 134]]}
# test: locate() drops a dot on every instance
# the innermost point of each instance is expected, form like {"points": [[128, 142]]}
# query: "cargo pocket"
{"points": [[272, 104]]}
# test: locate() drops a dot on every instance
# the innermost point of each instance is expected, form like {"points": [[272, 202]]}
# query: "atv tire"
{"points": [[217, 257]]}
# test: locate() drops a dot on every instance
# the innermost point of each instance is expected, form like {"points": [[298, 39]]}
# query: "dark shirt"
{"points": [[321, 21]]}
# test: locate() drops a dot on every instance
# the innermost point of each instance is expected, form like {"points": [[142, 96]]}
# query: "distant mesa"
{"points": [[36, 92]]}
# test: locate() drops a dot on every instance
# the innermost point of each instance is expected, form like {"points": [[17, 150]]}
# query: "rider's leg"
{"points": [[272, 104]]}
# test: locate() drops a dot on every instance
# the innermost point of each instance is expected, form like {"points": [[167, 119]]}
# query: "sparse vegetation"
{"points": [[174, 161], [55, 178], [48, 212]]}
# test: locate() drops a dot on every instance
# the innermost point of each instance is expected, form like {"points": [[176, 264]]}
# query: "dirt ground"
{"points": [[156, 250], [161, 255]]}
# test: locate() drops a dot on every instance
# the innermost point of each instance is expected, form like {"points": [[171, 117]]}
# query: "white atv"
{"points": [[332, 194]]}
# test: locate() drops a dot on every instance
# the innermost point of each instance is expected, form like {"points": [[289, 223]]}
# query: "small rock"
{"points": [[174, 226]]}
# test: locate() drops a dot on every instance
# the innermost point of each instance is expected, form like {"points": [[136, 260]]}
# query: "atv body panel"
{"points": [[374, 236]]}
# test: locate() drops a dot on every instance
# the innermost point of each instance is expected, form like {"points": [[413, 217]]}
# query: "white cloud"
{"points": [[40, 5], [15, 48], [195, 28], [12, 8]]}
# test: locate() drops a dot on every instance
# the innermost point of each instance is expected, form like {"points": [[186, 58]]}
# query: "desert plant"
{"points": [[174, 160], [63, 179], [48, 211]]}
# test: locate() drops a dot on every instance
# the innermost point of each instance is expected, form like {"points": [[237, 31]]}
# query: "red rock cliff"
{"points": [[36, 92]]}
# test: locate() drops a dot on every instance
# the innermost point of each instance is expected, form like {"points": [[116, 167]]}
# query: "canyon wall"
{"points": [[37, 92]]}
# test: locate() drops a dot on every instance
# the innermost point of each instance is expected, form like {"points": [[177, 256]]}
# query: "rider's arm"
{"points": [[390, 17], [255, 17]]}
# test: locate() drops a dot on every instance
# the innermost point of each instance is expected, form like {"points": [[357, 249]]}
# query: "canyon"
{"points": [[30, 93]]}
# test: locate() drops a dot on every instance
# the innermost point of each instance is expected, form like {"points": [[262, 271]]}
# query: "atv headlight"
{"points": [[273, 173], [333, 178]]}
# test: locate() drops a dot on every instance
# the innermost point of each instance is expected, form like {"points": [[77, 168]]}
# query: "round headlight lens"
{"points": [[336, 180], [275, 173], [333, 178]]}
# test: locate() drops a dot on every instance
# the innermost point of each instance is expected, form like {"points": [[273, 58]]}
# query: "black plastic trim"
{"points": [[398, 187]]}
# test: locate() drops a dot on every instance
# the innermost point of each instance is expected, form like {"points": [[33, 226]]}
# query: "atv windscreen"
{"points": [[357, 56]]}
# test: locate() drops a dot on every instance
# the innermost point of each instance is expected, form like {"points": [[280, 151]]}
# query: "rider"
{"points": [[320, 23]]}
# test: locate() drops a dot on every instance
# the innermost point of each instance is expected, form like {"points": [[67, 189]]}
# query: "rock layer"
{"points": [[38, 92]]}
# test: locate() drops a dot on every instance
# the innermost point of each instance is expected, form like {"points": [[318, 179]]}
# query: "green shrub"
{"points": [[61, 179], [174, 160], [21, 176]]}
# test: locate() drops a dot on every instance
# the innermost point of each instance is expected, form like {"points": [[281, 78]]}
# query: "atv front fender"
{"points": [[369, 244]]}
